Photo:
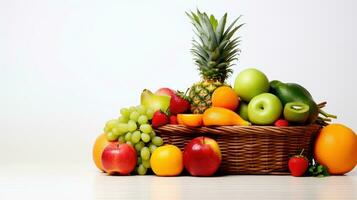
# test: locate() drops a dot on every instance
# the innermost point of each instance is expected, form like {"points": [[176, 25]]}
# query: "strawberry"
{"points": [[281, 123], [298, 164], [179, 103], [159, 119], [173, 119]]}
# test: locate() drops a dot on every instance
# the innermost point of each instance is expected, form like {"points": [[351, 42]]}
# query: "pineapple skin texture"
{"points": [[201, 94]]}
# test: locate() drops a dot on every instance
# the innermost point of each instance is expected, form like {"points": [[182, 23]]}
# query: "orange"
{"points": [[192, 120], [216, 116], [179, 120], [336, 148], [225, 97], [100, 143], [167, 161]]}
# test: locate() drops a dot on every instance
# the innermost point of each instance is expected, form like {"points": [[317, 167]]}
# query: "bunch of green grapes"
{"points": [[133, 127]]}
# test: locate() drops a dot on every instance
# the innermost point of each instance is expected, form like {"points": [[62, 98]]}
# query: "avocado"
{"points": [[292, 92]]}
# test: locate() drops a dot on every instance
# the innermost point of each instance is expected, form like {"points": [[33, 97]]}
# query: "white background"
{"points": [[66, 67]]}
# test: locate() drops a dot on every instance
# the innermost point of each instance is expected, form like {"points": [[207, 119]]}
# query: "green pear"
{"points": [[154, 101]]}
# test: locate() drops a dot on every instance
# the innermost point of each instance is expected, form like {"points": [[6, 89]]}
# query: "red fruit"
{"points": [[202, 156], [165, 91], [119, 158], [159, 119], [281, 123], [298, 165], [173, 119], [178, 104]]}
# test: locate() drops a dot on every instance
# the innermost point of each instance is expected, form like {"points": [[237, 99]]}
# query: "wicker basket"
{"points": [[248, 149]]}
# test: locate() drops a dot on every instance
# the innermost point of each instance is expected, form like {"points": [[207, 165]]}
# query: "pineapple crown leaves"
{"points": [[215, 48]]}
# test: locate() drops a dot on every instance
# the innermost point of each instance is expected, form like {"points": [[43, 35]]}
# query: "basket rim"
{"points": [[238, 130]]}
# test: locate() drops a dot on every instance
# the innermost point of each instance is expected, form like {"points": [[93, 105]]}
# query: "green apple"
{"points": [[250, 83], [154, 101], [243, 110], [264, 109]]}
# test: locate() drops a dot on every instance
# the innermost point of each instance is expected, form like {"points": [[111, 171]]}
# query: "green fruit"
{"points": [[110, 125], [154, 102], [264, 109], [111, 136], [296, 112], [142, 170], [157, 141], [250, 83], [292, 92], [135, 137], [127, 136], [139, 145], [243, 110], [125, 112], [152, 148], [143, 119], [146, 163], [145, 153], [146, 128], [132, 126], [134, 116], [145, 137]]}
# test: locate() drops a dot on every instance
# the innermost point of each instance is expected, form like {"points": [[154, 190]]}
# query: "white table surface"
{"points": [[83, 181]]}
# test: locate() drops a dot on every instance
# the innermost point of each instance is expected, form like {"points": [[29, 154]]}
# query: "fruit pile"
{"points": [[129, 143]]}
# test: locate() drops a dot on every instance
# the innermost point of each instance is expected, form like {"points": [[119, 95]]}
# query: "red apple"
{"points": [[165, 91], [119, 158], [202, 156]]}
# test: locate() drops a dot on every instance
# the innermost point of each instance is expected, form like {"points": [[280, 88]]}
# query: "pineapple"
{"points": [[213, 53]]}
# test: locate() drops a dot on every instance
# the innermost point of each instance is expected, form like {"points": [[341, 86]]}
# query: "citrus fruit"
{"points": [[167, 161], [179, 119], [336, 148], [225, 97], [192, 120], [100, 143]]}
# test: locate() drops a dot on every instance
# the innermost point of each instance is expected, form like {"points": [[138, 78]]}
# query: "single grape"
{"points": [[152, 134], [121, 139], [141, 170], [132, 109], [152, 148], [132, 126], [121, 128], [145, 137], [135, 137], [110, 125], [146, 128], [146, 163], [145, 153], [139, 145], [125, 112], [142, 119], [141, 109], [157, 141], [134, 116], [150, 113], [129, 143], [123, 119], [128, 136], [111, 136], [115, 132]]}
